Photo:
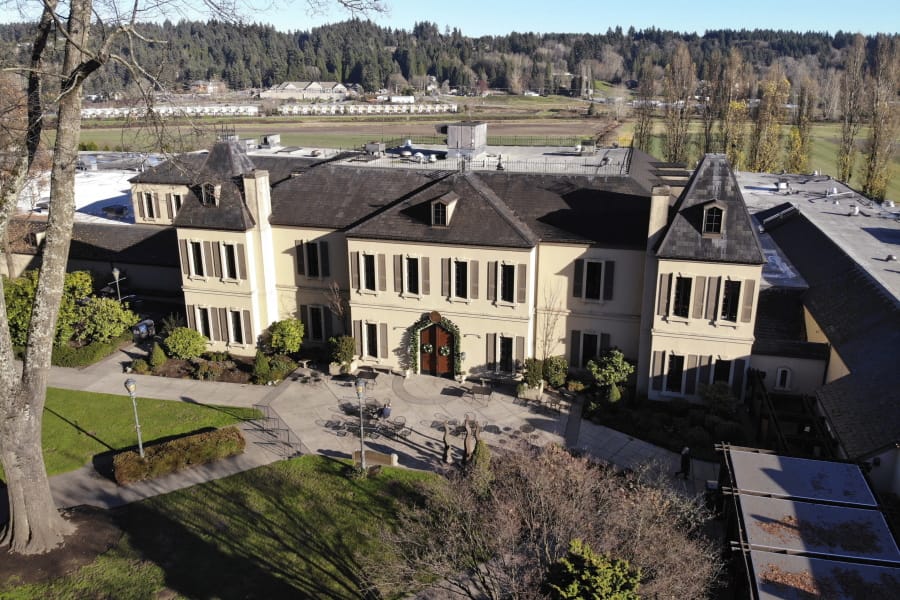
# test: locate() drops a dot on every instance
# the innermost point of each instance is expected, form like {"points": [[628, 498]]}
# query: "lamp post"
{"points": [[131, 386], [115, 273], [360, 394]]}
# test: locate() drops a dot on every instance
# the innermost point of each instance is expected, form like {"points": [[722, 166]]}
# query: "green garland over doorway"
{"points": [[415, 330]]}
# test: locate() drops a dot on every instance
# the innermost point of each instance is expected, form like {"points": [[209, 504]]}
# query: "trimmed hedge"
{"points": [[174, 455], [69, 356]]}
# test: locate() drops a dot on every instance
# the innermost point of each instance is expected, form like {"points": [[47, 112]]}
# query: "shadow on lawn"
{"points": [[267, 533]]}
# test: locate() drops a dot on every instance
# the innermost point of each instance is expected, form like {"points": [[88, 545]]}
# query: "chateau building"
{"points": [[447, 271]]}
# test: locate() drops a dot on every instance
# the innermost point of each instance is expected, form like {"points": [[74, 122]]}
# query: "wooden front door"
{"points": [[433, 338]]}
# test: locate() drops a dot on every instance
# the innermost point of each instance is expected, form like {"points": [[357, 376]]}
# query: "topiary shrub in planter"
{"points": [[174, 455], [185, 343], [555, 370], [534, 372], [343, 348], [285, 336], [158, 357], [262, 369], [140, 366]]}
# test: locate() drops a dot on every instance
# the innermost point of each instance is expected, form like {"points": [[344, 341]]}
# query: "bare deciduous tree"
{"points": [[852, 96], [732, 106], [679, 84], [884, 115], [644, 104], [798, 145], [499, 541], [87, 34], [549, 314], [765, 145], [337, 304]]}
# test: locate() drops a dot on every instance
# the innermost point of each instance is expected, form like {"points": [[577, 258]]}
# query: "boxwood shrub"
{"points": [[71, 356], [174, 455]]}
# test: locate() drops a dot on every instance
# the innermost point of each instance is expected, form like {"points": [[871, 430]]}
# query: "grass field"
{"points": [[554, 116], [290, 530], [79, 425]]}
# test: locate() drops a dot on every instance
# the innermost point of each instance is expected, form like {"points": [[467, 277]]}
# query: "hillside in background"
{"points": [[355, 51]]}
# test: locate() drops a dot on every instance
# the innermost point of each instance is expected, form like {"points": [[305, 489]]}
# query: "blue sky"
{"points": [[496, 17]]}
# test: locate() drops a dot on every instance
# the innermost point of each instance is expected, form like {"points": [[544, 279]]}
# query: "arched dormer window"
{"points": [[713, 219], [439, 214], [209, 194]]}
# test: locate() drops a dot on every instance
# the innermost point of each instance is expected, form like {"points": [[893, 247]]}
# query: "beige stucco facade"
{"points": [[702, 327]]}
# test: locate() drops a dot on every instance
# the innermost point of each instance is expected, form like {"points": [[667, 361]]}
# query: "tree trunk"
{"points": [[35, 526]]}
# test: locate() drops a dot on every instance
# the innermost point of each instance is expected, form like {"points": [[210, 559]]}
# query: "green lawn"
{"points": [[290, 530], [79, 425]]}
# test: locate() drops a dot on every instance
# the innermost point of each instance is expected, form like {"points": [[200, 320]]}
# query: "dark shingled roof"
{"points": [[224, 166], [336, 197], [479, 217], [606, 211], [779, 329], [738, 243], [862, 322], [135, 244]]}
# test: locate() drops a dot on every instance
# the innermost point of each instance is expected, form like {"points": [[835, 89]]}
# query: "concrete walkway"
{"points": [[311, 412]]}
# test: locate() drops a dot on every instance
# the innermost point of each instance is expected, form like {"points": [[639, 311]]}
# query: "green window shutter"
{"points": [[185, 267], [656, 379], [491, 350], [662, 301], [712, 298], [354, 270], [609, 278], [492, 280], [699, 289], [382, 340], [575, 349], [747, 308], [577, 279], [398, 273], [325, 269], [382, 273], [301, 259], [521, 284], [445, 277], [425, 267]]}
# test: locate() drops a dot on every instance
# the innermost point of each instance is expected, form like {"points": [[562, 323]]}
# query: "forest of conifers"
{"points": [[357, 51]]}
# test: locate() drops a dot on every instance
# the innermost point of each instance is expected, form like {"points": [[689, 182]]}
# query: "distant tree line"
{"points": [[361, 52]]}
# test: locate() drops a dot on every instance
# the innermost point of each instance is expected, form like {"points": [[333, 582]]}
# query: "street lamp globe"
{"points": [[130, 385], [360, 387]]}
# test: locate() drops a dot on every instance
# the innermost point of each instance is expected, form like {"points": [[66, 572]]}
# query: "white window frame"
{"points": [[365, 340], [306, 269], [363, 280], [223, 256], [236, 315], [675, 279], [453, 287], [668, 359], [192, 262], [405, 275], [147, 198], [446, 213], [720, 319], [208, 189], [789, 375], [198, 316], [176, 201], [310, 320], [500, 281], [584, 279], [713, 205]]}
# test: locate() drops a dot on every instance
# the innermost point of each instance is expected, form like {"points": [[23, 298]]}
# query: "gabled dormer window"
{"points": [[209, 194], [439, 214], [442, 209], [713, 219]]}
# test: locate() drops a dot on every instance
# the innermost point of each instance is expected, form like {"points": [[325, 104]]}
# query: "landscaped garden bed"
{"points": [[673, 424], [81, 426]]}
